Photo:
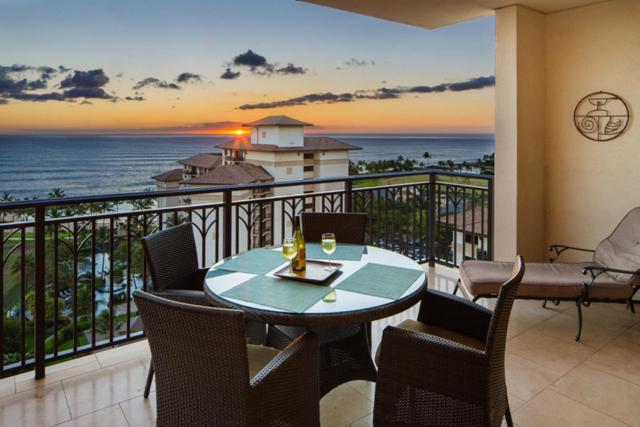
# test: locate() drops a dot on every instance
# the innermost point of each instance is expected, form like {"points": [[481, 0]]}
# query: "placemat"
{"points": [[344, 252], [284, 294], [256, 261], [380, 280]]}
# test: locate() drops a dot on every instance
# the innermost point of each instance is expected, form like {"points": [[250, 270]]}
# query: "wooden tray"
{"points": [[314, 273]]}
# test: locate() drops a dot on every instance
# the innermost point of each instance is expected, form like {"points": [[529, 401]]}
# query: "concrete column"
{"points": [[520, 96]]}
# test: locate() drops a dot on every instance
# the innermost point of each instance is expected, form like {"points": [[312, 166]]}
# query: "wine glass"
{"points": [[328, 244], [289, 251]]}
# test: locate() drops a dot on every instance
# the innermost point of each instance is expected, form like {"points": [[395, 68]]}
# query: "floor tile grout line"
{"points": [[362, 394], [361, 418], [66, 399]]}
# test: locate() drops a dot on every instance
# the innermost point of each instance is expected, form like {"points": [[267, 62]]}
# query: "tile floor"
{"points": [[552, 379]]}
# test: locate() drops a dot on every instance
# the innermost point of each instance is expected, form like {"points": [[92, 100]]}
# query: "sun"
{"points": [[240, 132]]}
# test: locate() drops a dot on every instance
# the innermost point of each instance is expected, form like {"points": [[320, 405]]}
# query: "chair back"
{"points": [[496, 342], [172, 257], [347, 227], [201, 367], [621, 250]]}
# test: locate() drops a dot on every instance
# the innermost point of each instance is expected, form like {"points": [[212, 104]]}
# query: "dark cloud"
{"points": [[78, 85], [230, 75], [381, 93], [291, 69], [252, 60], [259, 65], [135, 98], [3, 101], [189, 78], [157, 83], [325, 98], [85, 79], [87, 93]]}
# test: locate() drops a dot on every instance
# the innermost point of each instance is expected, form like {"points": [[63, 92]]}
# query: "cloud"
{"points": [[230, 75], [355, 63], [189, 78], [75, 86], [378, 94], [259, 65], [291, 69], [3, 101], [157, 83], [85, 79], [252, 60], [134, 98]]}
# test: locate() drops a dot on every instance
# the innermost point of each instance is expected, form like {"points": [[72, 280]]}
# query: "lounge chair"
{"points": [[613, 275]]}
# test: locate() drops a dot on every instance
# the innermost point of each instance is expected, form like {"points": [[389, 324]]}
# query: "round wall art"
{"points": [[601, 116]]}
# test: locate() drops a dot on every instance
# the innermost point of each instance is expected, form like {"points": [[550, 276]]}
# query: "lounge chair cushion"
{"points": [[621, 249], [414, 325], [541, 280], [259, 357]]}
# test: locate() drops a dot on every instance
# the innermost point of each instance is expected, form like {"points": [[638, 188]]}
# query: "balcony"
{"points": [[70, 266], [552, 380]]}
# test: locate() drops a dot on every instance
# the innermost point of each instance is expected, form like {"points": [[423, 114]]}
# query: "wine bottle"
{"points": [[300, 261]]}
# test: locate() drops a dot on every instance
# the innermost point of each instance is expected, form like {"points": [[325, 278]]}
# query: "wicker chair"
{"points": [[447, 369], [344, 350], [210, 376], [347, 227], [173, 266]]}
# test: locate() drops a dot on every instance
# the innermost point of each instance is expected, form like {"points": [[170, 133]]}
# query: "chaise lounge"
{"points": [[613, 275]]}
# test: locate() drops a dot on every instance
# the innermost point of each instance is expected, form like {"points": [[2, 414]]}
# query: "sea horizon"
{"points": [[89, 164]]}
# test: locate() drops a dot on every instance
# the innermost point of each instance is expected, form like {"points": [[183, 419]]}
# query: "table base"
{"points": [[345, 352]]}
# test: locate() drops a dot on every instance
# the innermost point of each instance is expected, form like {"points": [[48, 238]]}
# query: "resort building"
{"points": [[277, 150]]}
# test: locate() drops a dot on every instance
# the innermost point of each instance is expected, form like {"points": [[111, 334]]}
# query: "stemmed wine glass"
{"points": [[289, 251], [328, 244]]}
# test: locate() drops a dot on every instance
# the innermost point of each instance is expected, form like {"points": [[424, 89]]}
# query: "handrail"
{"points": [[115, 197]]}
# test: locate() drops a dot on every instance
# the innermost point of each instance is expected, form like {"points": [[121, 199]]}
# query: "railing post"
{"points": [[40, 327], [348, 195], [491, 197], [227, 197], [432, 219]]}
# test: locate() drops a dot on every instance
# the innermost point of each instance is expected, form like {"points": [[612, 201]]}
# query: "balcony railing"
{"points": [[70, 265]]}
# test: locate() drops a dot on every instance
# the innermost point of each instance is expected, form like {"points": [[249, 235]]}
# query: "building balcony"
{"points": [[551, 379], [90, 356]]}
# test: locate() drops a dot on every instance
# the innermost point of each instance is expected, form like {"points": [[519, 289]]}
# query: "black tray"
{"points": [[314, 273]]}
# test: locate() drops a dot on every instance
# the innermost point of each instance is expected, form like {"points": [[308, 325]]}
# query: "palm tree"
{"points": [[6, 197], [427, 156], [56, 193]]}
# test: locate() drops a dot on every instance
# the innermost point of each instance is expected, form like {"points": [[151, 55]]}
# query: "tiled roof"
{"points": [[232, 174], [277, 121], [311, 143], [205, 161], [172, 175], [471, 221]]}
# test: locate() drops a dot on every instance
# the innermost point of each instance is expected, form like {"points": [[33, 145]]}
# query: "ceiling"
{"points": [[439, 13]]}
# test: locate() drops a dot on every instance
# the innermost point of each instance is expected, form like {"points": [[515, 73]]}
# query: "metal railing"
{"points": [[69, 265]]}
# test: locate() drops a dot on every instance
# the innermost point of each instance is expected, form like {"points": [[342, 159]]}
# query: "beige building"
{"points": [[277, 150]]}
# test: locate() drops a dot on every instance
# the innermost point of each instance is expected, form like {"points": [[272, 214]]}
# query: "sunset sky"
{"points": [[202, 66]]}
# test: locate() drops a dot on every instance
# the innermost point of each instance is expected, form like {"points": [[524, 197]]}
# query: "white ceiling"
{"points": [[439, 13]]}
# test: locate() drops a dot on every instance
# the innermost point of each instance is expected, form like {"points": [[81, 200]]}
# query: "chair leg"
{"points": [[507, 416], [147, 387], [544, 304], [579, 331], [455, 290], [631, 306]]}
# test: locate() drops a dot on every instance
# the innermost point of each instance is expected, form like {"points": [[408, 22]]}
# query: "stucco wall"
{"points": [[590, 185]]}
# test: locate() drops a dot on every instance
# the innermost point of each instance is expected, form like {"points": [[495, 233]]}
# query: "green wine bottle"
{"points": [[300, 261]]}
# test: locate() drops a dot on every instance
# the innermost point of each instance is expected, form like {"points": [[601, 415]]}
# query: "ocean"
{"points": [[30, 166]]}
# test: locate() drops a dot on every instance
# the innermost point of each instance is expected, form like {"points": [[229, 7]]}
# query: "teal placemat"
{"points": [[256, 261], [380, 280], [284, 294], [344, 252]]}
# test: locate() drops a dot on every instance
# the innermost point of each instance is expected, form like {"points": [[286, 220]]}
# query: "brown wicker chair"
{"points": [[347, 227], [344, 350], [208, 376], [173, 266], [447, 369]]}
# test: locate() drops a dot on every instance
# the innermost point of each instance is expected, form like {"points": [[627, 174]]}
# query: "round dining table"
{"points": [[375, 284]]}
